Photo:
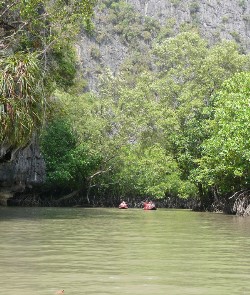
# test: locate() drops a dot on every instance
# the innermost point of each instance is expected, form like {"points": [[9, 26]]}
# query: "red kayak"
{"points": [[149, 206], [123, 205]]}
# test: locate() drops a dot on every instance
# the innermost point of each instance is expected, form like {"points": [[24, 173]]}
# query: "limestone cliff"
{"points": [[125, 27], [20, 169]]}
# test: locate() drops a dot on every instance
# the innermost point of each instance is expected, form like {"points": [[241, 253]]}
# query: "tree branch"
{"points": [[99, 172]]}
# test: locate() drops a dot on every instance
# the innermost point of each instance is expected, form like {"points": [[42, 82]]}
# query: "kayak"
{"points": [[123, 206], [149, 206]]}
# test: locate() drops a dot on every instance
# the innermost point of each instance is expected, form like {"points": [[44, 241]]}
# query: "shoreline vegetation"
{"points": [[238, 204]]}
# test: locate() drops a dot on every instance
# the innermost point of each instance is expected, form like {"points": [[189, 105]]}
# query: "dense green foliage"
{"points": [[22, 98], [36, 57], [226, 153], [149, 171], [151, 129], [190, 74], [68, 163]]}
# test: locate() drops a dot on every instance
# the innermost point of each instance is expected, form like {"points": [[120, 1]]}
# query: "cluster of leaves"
{"points": [[68, 163], [36, 57], [22, 98], [149, 171], [129, 25], [190, 73], [63, 67], [225, 154], [36, 24]]}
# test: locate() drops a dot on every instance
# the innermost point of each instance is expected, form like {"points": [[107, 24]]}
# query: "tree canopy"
{"points": [[225, 154], [151, 129]]}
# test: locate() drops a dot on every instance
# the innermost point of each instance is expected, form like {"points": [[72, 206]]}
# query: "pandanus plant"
{"points": [[22, 98]]}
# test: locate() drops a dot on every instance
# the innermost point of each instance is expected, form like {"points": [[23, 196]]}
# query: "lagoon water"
{"points": [[119, 252]]}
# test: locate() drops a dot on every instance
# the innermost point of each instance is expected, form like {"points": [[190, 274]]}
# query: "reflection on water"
{"points": [[111, 251]]}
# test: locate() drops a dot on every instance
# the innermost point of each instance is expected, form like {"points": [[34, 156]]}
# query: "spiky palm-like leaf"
{"points": [[22, 99]]}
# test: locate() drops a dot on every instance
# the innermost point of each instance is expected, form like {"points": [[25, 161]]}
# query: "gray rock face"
{"points": [[112, 52], [20, 169], [215, 19], [226, 18]]}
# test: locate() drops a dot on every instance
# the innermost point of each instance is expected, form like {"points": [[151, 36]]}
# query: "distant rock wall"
{"points": [[228, 19], [215, 19]]}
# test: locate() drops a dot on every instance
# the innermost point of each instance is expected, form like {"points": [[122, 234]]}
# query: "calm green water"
{"points": [[111, 251]]}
